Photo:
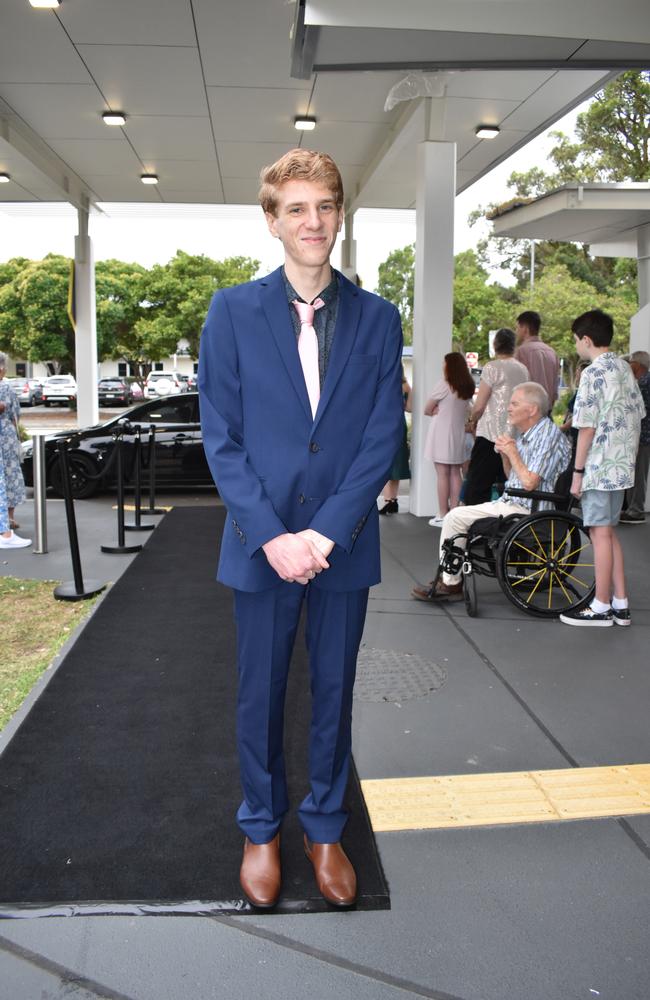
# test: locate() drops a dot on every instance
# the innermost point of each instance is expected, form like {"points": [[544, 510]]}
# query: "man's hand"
{"points": [[322, 543], [294, 559], [506, 445]]}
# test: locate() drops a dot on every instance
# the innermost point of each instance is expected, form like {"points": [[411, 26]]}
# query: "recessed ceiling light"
{"points": [[45, 4], [4, 178], [149, 178], [487, 131], [114, 118], [304, 123]]}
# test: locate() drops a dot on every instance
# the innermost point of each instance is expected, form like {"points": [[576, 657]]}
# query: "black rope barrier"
{"points": [[136, 477], [121, 548], [78, 590], [152, 509]]}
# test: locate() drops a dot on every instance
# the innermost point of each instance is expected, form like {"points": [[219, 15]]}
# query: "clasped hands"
{"points": [[506, 445], [298, 558]]}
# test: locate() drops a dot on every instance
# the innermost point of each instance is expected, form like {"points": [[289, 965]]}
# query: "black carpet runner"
{"points": [[118, 793]]}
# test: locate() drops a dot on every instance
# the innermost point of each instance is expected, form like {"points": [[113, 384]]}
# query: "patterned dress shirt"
{"points": [[544, 450], [324, 319], [609, 400]]}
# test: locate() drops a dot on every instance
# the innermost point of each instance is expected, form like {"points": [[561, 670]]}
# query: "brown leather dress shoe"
{"points": [[438, 592], [260, 876], [334, 873]]}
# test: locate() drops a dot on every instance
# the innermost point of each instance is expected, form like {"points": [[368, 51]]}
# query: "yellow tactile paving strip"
{"points": [[514, 797]]}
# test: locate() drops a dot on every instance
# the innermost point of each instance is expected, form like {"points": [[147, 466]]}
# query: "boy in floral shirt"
{"points": [[607, 412]]}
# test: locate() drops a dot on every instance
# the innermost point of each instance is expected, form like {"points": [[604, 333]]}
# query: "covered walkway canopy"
{"points": [[210, 91]]}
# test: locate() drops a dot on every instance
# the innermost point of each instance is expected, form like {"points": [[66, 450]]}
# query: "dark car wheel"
{"points": [[81, 469]]}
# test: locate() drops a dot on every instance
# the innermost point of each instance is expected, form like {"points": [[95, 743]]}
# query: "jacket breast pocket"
{"points": [[362, 359]]}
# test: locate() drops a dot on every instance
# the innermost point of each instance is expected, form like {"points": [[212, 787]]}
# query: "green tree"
{"points": [[613, 144], [479, 306], [396, 283], [34, 321], [177, 295], [560, 297]]}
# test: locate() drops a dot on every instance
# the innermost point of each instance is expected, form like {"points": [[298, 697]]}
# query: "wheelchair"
{"points": [[543, 561]]}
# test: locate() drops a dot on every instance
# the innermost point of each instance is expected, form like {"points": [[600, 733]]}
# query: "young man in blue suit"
{"points": [[301, 408]]}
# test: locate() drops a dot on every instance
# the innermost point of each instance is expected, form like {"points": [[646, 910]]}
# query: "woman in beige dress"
{"points": [[449, 405]]}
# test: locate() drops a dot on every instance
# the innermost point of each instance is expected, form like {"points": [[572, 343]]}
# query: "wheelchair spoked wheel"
{"points": [[545, 564], [469, 592]]}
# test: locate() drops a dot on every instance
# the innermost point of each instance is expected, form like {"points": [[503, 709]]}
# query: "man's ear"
{"points": [[341, 218], [271, 221]]}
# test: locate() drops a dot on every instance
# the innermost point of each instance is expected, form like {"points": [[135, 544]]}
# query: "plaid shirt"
{"points": [[544, 450]]}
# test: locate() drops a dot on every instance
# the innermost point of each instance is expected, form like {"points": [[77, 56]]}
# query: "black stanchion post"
{"points": [[152, 509], [76, 591], [137, 485], [120, 547]]}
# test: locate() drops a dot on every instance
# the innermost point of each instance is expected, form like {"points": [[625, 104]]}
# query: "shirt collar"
{"points": [[328, 295], [526, 436]]}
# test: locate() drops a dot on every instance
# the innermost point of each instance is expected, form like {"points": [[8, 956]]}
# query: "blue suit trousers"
{"points": [[266, 628]]}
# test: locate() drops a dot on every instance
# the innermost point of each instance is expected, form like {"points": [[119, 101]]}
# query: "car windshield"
{"points": [[111, 381], [60, 380]]}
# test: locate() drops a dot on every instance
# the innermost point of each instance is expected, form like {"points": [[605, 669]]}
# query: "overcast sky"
{"points": [[132, 233]]}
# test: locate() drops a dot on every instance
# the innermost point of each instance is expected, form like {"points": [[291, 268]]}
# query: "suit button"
{"points": [[313, 447], [301, 498]]}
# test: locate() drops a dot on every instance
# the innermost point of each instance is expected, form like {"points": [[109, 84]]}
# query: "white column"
{"points": [[349, 249], [643, 264], [86, 332], [433, 304]]}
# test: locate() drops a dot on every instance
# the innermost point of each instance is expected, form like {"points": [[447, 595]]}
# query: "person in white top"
{"points": [[490, 418]]}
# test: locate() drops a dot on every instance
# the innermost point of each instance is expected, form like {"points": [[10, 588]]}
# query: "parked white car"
{"points": [[59, 389], [163, 384]]}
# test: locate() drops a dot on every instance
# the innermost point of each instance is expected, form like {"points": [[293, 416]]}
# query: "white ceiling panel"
{"points": [[34, 48], [171, 137], [484, 152], [495, 84], [97, 157], [194, 176], [560, 91], [128, 22], [148, 80], [353, 97], [348, 142], [60, 111], [245, 113], [462, 116], [209, 196], [121, 188], [246, 44], [240, 190], [246, 159]]}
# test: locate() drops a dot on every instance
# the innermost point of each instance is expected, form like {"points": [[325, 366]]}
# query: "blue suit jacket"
{"points": [[276, 469]]}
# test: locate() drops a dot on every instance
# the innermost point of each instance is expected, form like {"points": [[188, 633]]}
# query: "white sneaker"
{"points": [[436, 522], [14, 542]]}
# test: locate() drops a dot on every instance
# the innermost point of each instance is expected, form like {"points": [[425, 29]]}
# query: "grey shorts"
{"points": [[601, 508]]}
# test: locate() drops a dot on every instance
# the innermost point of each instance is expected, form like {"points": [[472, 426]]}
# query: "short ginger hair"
{"points": [[299, 165]]}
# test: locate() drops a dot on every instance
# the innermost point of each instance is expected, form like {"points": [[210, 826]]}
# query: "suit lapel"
{"points": [[276, 309], [347, 323]]}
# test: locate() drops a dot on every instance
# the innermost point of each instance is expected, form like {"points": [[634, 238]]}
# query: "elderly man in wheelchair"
{"points": [[529, 539]]}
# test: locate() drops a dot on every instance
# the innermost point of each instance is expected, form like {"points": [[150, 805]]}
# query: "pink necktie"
{"points": [[308, 349]]}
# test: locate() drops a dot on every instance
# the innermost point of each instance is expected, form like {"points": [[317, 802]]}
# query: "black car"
{"points": [[180, 459], [114, 391]]}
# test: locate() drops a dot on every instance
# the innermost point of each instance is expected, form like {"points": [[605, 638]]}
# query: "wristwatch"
{"points": [[579, 471]]}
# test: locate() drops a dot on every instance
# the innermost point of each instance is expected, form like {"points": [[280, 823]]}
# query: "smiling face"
{"points": [[306, 222]]}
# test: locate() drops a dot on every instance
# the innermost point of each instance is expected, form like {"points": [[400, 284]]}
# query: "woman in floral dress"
{"points": [[12, 484]]}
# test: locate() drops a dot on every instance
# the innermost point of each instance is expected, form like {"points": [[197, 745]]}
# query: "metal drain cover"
{"points": [[386, 675]]}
